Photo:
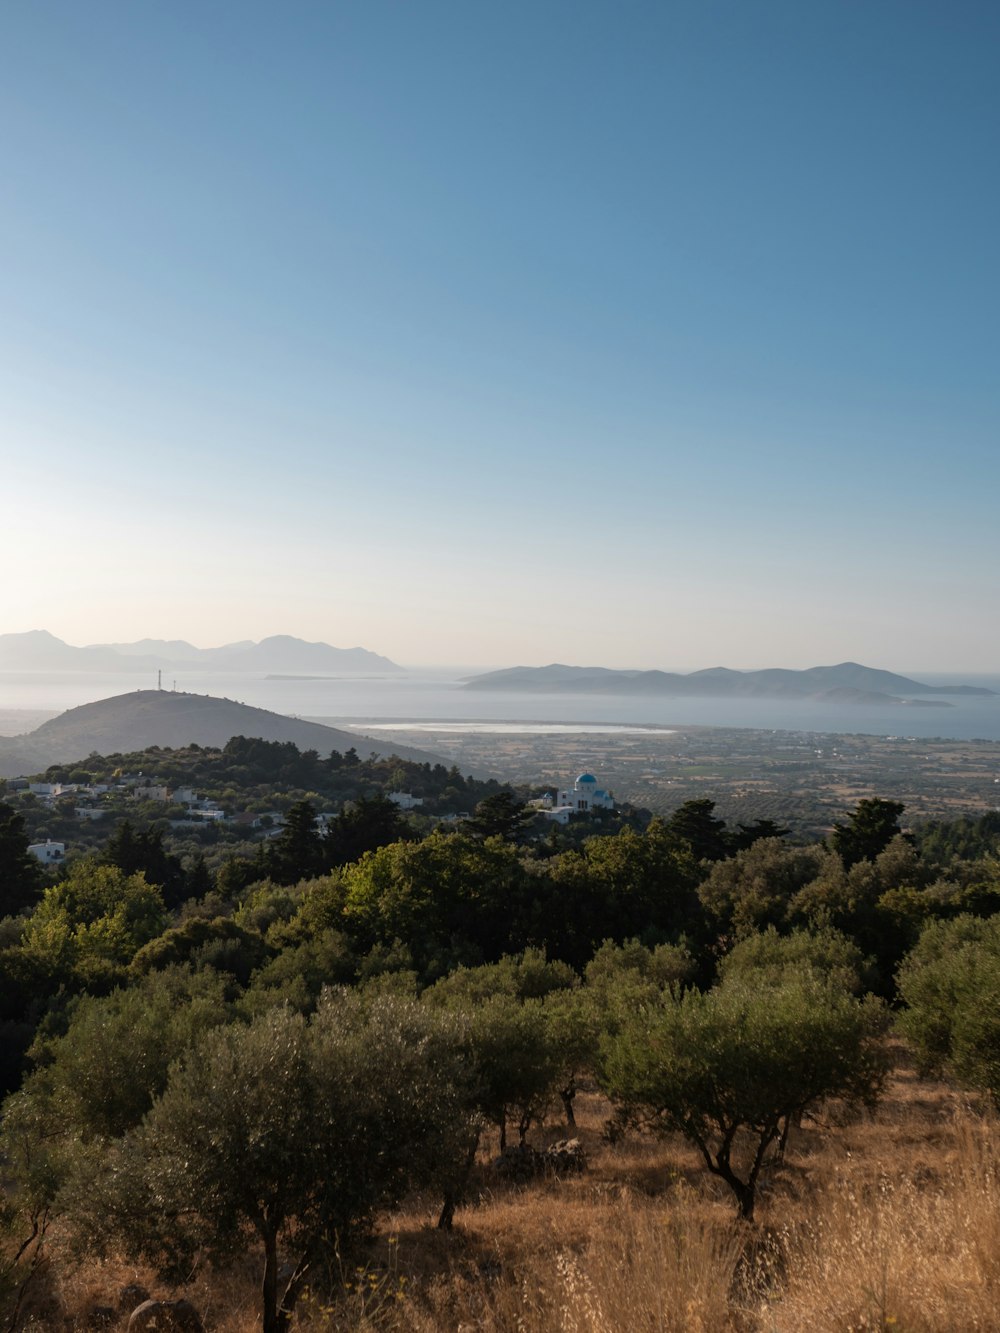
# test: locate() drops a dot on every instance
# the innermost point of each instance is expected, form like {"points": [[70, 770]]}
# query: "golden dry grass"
{"points": [[884, 1221]]}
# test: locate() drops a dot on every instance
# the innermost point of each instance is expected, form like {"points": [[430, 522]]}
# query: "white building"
{"points": [[405, 801], [584, 797], [48, 852]]}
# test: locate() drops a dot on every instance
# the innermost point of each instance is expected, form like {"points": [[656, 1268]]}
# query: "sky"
{"points": [[626, 334]]}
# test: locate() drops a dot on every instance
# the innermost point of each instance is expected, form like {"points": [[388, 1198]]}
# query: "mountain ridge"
{"points": [[721, 682], [39, 650]]}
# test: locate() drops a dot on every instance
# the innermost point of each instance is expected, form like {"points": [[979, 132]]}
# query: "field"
{"points": [[883, 1221], [803, 779]]}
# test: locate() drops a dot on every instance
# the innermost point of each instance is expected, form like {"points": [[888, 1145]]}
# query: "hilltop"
{"points": [[38, 650], [144, 718], [847, 682]]}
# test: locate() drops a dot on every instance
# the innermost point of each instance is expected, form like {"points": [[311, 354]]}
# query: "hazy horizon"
{"points": [[458, 667], [662, 336]]}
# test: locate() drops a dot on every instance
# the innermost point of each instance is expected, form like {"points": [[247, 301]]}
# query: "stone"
{"points": [[176, 1316], [564, 1158], [131, 1297], [519, 1163]]}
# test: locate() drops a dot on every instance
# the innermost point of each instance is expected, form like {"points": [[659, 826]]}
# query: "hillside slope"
{"points": [[144, 718]]}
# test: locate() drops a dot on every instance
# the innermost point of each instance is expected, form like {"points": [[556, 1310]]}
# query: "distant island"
{"points": [[38, 650], [847, 683]]}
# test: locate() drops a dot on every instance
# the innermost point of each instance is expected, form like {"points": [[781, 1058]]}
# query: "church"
{"points": [[582, 798]]}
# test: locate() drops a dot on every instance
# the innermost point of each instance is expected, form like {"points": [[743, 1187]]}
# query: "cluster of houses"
{"points": [[582, 798], [93, 798]]}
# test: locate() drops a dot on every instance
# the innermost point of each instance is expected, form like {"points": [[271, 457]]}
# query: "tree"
{"points": [[501, 815], [695, 824], [298, 851], [90, 925], [768, 958], [568, 1024], [950, 984], [20, 873], [448, 897], [644, 972], [868, 831], [100, 1077], [747, 834], [367, 824], [295, 1131], [525, 976], [517, 1061], [216, 942], [756, 887], [630, 884], [141, 851], [739, 1060]]}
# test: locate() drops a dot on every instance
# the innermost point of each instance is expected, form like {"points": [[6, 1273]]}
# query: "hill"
{"points": [[144, 718], [849, 680], [38, 650]]}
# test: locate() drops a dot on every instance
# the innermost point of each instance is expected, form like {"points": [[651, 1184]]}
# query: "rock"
{"points": [[518, 1163], [564, 1158], [522, 1162], [174, 1315], [130, 1297]]}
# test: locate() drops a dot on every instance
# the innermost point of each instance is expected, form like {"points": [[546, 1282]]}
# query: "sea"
{"points": [[428, 698]]}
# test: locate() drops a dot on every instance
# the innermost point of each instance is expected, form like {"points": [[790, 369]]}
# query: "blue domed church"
{"points": [[586, 795]]}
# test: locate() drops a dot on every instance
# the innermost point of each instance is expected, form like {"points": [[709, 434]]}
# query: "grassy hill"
{"points": [[144, 718]]}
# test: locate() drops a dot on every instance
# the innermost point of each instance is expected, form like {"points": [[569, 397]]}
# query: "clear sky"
{"points": [[634, 334]]}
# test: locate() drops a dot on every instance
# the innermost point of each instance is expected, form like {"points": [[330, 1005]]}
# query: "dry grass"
{"points": [[888, 1221]]}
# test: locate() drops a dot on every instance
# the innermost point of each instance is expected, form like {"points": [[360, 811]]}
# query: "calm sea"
{"points": [[436, 695]]}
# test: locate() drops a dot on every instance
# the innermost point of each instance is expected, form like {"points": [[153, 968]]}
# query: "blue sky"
{"points": [[633, 334]]}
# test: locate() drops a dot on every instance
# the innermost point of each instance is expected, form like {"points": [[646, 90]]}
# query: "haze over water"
{"points": [[436, 695]]}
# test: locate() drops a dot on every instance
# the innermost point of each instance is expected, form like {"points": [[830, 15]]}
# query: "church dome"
{"points": [[586, 777]]}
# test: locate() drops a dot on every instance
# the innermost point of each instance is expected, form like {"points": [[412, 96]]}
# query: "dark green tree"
{"points": [[298, 851], [950, 985], [747, 834], [367, 824], [141, 851], [695, 824], [756, 888], [501, 815], [868, 831], [20, 874]]}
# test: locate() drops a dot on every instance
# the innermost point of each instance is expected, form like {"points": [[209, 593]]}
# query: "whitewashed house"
{"points": [[405, 801], [49, 853]]}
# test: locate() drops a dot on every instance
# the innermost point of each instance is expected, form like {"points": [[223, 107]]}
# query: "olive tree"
{"points": [[768, 957], [296, 1131], [725, 1068], [950, 984]]}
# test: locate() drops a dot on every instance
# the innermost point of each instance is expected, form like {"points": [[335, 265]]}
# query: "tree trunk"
{"points": [[269, 1286], [291, 1293], [566, 1097], [455, 1191], [503, 1132]]}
